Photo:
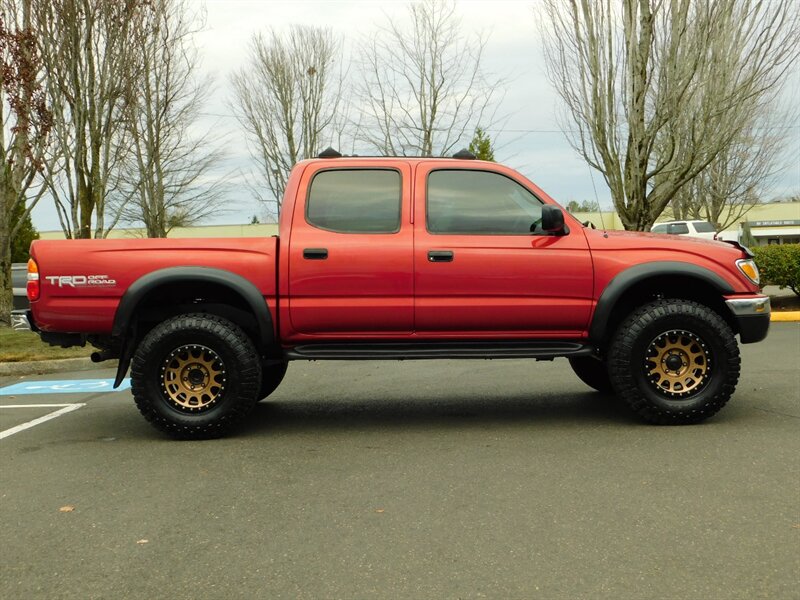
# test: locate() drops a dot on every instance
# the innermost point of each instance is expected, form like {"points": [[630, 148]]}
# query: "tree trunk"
{"points": [[84, 230], [6, 289]]}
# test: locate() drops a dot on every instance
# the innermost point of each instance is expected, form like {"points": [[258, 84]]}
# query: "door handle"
{"points": [[315, 253], [440, 256]]}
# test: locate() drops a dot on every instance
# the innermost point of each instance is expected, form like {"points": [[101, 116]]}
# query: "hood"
{"points": [[615, 251], [640, 240]]}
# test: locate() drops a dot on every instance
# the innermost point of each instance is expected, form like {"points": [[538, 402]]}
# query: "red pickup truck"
{"points": [[403, 258]]}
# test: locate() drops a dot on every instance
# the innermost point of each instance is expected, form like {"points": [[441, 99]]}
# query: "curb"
{"points": [[785, 316], [41, 367]]}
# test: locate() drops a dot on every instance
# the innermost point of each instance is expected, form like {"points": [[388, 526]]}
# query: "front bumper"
{"points": [[21, 320], [752, 317]]}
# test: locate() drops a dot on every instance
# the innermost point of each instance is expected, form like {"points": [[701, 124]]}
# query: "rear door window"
{"points": [[355, 201]]}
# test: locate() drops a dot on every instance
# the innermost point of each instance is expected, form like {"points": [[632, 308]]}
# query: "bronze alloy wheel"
{"points": [[677, 363], [674, 362], [193, 378]]}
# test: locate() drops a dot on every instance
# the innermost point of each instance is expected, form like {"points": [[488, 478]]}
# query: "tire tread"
{"points": [[621, 349], [248, 374]]}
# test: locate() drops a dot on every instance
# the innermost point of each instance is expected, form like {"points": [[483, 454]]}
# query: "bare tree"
{"points": [[655, 91], [422, 88], [287, 98], [89, 49], [171, 172], [26, 123], [734, 182]]}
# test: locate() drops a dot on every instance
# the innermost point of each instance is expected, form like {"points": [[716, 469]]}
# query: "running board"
{"points": [[544, 350]]}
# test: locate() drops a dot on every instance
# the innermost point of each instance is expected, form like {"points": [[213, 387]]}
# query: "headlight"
{"points": [[749, 268]]}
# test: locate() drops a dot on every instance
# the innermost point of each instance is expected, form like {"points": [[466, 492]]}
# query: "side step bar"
{"points": [[544, 350]]}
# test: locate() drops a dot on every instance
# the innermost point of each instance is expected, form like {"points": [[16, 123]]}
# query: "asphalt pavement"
{"points": [[434, 479]]}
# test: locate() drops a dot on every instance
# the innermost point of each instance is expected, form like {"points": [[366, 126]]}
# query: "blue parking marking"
{"points": [[66, 386]]}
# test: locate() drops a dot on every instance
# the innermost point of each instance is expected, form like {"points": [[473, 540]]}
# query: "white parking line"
{"points": [[64, 409]]}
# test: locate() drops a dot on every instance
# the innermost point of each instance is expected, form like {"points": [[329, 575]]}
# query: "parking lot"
{"points": [[436, 479]]}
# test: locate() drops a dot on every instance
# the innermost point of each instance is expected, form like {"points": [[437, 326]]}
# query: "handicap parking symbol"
{"points": [[65, 386]]}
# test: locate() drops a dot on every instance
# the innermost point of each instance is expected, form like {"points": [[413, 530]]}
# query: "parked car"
{"points": [[698, 229], [19, 273], [403, 258]]}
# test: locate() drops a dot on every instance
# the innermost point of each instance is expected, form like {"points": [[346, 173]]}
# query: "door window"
{"points": [[460, 201], [355, 201]]}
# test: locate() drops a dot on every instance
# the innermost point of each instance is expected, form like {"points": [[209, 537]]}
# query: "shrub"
{"points": [[779, 265]]}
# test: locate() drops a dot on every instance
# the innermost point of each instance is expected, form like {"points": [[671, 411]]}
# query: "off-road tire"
{"points": [[238, 369], [592, 372], [628, 361], [271, 377]]}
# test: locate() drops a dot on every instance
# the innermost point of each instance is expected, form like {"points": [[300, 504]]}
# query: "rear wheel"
{"points": [[592, 372], [195, 376], [674, 362]]}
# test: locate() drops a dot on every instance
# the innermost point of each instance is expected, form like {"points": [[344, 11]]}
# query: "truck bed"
{"points": [[80, 301]]}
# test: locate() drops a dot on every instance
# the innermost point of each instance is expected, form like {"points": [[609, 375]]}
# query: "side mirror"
{"points": [[552, 219]]}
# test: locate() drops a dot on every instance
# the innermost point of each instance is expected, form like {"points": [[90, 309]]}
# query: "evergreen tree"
{"points": [[746, 238], [20, 245], [481, 145]]}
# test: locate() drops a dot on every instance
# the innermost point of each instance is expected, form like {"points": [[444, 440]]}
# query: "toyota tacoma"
{"points": [[403, 258]]}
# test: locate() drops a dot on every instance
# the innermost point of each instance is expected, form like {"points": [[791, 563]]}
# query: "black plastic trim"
{"points": [[464, 154], [126, 344], [553, 219], [145, 284], [329, 152], [32, 322], [315, 253], [63, 340], [748, 253], [752, 328], [638, 273], [543, 349], [440, 256]]}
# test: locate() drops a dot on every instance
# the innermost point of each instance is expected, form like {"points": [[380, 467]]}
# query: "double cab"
{"points": [[403, 258]]}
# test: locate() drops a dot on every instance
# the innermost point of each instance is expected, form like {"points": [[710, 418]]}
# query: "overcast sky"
{"points": [[528, 139]]}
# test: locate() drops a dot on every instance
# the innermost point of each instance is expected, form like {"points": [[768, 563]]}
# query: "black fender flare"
{"points": [[137, 291], [631, 276]]}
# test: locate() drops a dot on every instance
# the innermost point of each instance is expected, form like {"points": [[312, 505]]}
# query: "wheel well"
{"points": [[171, 299], [667, 286]]}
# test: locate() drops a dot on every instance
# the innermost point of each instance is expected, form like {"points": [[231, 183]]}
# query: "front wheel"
{"points": [[674, 362], [195, 376]]}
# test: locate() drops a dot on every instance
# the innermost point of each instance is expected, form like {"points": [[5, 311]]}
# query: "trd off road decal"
{"points": [[81, 280]]}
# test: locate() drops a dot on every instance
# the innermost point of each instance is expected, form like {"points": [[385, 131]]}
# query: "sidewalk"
{"points": [[41, 367]]}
